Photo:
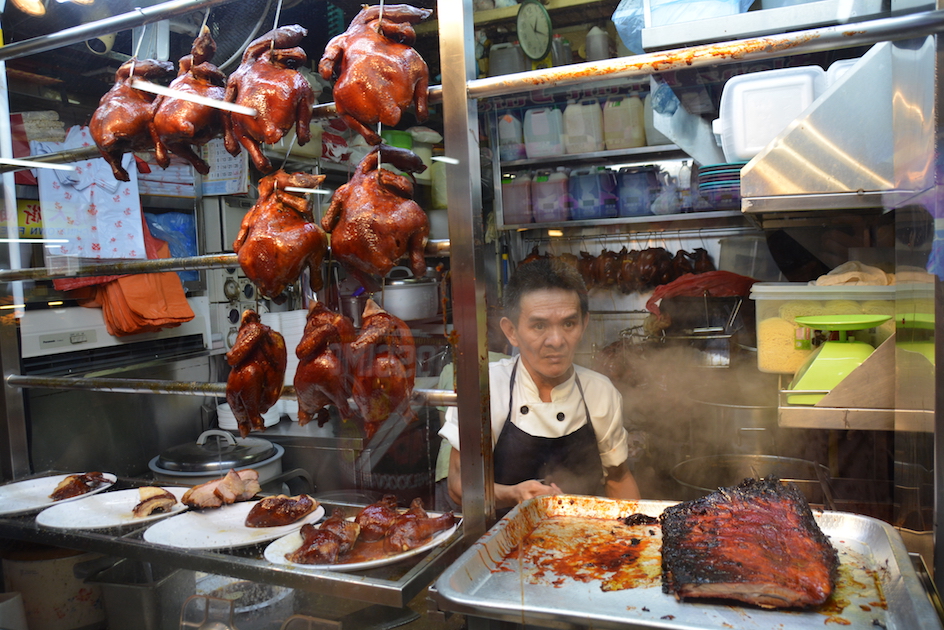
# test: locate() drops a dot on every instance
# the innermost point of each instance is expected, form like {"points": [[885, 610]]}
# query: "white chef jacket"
{"points": [[603, 401]]}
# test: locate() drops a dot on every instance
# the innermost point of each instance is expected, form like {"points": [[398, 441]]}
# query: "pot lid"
{"points": [[398, 282], [215, 451]]}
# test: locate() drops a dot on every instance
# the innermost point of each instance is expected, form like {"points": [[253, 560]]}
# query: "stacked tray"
{"points": [[719, 186]]}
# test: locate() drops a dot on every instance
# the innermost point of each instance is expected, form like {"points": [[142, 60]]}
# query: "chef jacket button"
{"points": [[560, 416], [524, 409]]}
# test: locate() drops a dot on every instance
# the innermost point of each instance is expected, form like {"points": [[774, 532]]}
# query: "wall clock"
{"points": [[534, 29]]}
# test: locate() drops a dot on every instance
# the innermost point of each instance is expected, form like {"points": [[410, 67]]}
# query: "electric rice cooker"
{"points": [[213, 454]]}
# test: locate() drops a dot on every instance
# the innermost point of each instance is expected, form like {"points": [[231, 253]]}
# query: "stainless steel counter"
{"points": [[392, 585]]}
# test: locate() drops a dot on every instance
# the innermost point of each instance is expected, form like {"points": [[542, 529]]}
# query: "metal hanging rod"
{"points": [[430, 397], [138, 17], [779, 45], [635, 67], [434, 248]]}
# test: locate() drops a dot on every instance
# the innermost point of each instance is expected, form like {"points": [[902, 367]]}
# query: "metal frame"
{"points": [[459, 93]]}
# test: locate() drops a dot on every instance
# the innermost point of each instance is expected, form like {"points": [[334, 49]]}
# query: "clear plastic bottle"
{"points": [[685, 186]]}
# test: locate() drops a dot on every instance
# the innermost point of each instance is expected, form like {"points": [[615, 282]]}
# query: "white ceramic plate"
{"points": [[110, 509], [275, 552], [220, 528], [22, 497]]}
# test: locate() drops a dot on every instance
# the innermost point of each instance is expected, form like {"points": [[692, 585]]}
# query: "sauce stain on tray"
{"points": [[587, 549]]}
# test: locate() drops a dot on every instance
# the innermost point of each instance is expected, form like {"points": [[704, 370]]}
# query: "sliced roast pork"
{"points": [[235, 486], [756, 543]]}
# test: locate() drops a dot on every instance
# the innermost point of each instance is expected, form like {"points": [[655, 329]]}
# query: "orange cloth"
{"points": [[144, 302]]}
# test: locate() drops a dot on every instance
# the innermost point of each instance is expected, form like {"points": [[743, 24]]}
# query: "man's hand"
{"points": [[510, 496], [620, 483]]}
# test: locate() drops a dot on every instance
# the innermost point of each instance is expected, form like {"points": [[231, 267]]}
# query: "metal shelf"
{"points": [[635, 155], [393, 585], [692, 220]]}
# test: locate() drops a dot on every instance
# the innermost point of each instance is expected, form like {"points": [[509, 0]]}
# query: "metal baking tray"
{"points": [[561, 575]]}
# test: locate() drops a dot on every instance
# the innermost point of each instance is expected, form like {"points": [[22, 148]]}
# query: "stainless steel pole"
{"points": [[430, 397], [467, 237], [121, 22]]}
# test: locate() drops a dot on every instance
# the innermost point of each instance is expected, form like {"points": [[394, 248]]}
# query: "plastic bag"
{"points": [[180, 232], [629, 16]]}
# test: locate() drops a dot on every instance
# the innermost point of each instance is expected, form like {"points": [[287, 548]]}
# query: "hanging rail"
{"points": [[434, 248], [431, 397], [138, 17], [629, 68]]}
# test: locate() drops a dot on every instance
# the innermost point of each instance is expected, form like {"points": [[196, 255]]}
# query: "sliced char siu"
{"points": [[756, 543]]}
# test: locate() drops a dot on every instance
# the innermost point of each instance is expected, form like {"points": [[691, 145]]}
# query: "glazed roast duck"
{"points": [[179, 125], [121, 122], [373, 219], [258, 360], [384, 369], [325, 365], [378, 73], [268, 82], [278, 237]]}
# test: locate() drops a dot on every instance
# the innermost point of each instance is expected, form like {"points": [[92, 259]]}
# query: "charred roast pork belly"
{"points": [[756, 543], [154, 500], [235, 486]]}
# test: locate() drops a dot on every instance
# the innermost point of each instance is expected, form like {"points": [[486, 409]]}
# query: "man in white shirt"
{"points": [[556, 427]]}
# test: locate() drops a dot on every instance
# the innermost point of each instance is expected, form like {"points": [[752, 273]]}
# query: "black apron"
{"points": [[571, 461]]}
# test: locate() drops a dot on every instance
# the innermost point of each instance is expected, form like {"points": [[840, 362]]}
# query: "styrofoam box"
{"points": [[756, 107], [782, 345]]}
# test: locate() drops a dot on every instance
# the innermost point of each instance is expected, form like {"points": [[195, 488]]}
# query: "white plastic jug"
{"points": [[510, 137], [549, 196], [543, 132], [506, 58], [623, 123], [598, 44], [637, 188], [516, 198], [654, 137], [583, 126]]}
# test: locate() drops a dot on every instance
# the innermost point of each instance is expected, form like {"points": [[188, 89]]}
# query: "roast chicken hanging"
{"points": [[323, 375], [385, 367], [121, 121], [379, 74], [258, 359], [179, 125], [373, 219], [278, 238], [268, 82]]}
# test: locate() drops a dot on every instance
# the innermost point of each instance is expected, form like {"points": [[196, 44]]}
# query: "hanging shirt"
{"points": [[100, 215], [562, 416]]}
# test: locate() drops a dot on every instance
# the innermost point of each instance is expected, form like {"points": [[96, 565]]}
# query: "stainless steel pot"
{"points": [[213, 454], [707, 474], [410, 298]]}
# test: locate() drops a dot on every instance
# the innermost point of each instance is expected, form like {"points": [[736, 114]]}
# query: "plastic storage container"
{"points": [[510, 137], [749, 255], [654, 137], [516, 198], [838, 69], [637, 188], [782, 345], [592, 194], [756, 107], [550, 200], [543, 132], [583, 126], [624, 125]]}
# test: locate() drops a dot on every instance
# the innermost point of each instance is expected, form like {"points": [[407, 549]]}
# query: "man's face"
{"points": [[547, 333]]}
